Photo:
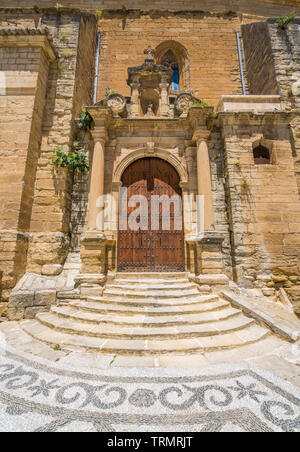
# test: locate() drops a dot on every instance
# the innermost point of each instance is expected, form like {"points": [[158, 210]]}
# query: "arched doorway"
{"points": [[151, 237]]}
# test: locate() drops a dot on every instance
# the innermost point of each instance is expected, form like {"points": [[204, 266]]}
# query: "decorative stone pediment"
{"points": [[116, 103]]}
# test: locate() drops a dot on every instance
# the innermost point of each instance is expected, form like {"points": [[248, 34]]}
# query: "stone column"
{"points": [[135, 98], [204, 183], [164, 98], [93, 242], [95, 221]]}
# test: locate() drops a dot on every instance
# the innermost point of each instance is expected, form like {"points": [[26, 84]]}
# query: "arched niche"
{"points": [[150, 96], [174, 55]]}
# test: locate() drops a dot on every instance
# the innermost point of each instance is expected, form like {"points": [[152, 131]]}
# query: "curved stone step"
{"points": [[150, 293], [94, 318], [250, 335], [148, 302], [155, 286], [121, 332], [105, 308]]}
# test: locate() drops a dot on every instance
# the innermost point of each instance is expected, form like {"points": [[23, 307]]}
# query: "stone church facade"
{"points": [[202, 104]]}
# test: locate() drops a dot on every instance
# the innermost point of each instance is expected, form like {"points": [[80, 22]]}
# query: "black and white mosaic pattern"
{"points": [[36, 395]]}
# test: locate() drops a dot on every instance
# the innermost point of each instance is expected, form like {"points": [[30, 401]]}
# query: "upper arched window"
{"points": [[174, 55], [169, 60]]}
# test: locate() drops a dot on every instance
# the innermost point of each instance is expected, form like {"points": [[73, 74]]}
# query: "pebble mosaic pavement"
{"points": [[37, 395]]}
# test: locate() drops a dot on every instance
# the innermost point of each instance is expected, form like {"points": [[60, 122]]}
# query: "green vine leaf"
{"points": [[76, 159]]}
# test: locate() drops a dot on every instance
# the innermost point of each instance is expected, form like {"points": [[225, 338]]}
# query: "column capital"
{"points": [[201, 134], [99, 135]]}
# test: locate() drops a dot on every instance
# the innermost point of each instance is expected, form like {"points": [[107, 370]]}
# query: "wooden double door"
{"points": [[151, 236]]}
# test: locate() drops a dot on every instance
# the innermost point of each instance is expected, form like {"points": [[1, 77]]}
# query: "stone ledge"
{"points": [[255, 103], [27, 37], [278, 318]]}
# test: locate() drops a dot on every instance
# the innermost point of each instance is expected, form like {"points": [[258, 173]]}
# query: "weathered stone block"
{"points": [[24, 299], [45, 298], [52, 270], [31, 312]]}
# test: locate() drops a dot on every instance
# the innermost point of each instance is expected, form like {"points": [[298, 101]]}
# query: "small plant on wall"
{"points": [[98, 14], [199, 103], [282, 22], [85, 121], [109, 91], [75, 159], [245, 185]]}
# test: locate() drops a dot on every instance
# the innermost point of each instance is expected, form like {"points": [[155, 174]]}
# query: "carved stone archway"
{"points": [[149, 151]]}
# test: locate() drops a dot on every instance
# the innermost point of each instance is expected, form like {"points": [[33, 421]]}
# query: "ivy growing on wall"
{"points": [[75, 159]]}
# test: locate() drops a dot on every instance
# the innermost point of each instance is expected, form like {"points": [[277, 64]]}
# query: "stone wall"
{"points": [[286, 52], [26, 72], [263, 204], [259, 61], [42, 107], [70, 88], [216, 151]]}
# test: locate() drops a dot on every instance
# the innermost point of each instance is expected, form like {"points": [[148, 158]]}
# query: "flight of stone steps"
{"points": [[146, 314]]}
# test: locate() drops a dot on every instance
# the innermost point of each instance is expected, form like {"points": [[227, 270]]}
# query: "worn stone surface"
{"points": [[276, 316], [226, 397]]}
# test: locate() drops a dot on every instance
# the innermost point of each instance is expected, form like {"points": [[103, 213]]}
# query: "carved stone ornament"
{"points": [[117, 103], [183, 104]]}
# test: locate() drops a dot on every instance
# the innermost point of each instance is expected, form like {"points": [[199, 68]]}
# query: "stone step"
{"points": [[250, 335], [119, 332], [94, 318], [144, 302], [157, 286], [105, 308], [151, 282], [145, 276], [149, 293]]}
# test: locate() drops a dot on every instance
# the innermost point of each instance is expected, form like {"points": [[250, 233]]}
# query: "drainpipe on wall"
{"points": [[241, 62], [97, 66]]}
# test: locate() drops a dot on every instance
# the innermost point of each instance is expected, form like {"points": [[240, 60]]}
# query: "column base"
{"points": [[207, 249], [92, 253]]}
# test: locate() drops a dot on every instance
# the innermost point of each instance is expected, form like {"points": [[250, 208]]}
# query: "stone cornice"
{"points": [[236, 118], [27, 37]]}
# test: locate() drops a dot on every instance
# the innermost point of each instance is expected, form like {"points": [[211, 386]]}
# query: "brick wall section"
{"points": [[260, 69], [26, 71], [259, 7], [265, 218], [210, 42]]}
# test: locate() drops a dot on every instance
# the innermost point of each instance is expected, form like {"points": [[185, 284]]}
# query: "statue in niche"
{"points": [[150, 113]]}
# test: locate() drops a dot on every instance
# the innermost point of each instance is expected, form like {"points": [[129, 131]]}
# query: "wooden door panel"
{"points": [[152, 250]]}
